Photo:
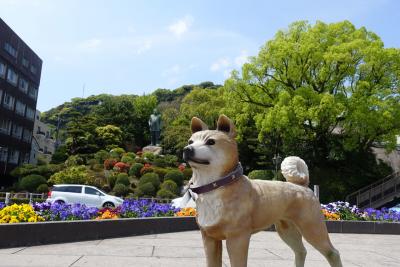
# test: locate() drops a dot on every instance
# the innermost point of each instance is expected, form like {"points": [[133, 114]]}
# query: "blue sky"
{"points": [[135, 47]]}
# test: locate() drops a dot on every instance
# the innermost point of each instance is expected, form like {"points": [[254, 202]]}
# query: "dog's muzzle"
{"points": [[188, 153]]}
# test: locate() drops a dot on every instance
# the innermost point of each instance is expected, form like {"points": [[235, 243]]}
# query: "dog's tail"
{"points": [[295, 170]]}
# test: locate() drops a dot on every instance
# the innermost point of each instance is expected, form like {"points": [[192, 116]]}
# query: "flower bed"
{"points": [[132, 208], [343, 211]]}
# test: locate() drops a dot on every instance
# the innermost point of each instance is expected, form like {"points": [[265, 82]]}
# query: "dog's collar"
{"points": [[227, 179]]}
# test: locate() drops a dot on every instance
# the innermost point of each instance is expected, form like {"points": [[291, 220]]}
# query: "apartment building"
{"points": [[43, 143], [20, 71]]}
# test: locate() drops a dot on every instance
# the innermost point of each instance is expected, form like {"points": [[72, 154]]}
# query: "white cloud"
{"points": [[146, 45], [90, 44], [181, 26], [220, 64], [241, 59]]}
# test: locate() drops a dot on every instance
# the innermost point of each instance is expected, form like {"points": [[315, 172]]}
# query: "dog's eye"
{"points": [[190, 142], [210, 142]]}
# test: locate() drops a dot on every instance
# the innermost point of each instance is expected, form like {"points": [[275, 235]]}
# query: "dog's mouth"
{"points": [[199, 161]]}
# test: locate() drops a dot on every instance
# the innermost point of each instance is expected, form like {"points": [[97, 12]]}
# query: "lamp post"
{"points": [[277, 159]]}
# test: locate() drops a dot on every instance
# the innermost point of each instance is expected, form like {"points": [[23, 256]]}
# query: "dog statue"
{"points": [[231, 207]]}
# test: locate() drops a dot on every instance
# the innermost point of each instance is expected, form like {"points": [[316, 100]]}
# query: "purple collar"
{"points": [[227, 179]]}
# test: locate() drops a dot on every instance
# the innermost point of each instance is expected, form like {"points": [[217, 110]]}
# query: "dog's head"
{"points": [[216, 149]]}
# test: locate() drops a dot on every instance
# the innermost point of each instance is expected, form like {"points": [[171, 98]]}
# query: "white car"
{"points": [[83, 194]]}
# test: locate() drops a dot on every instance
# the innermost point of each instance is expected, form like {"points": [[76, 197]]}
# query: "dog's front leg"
{"points": [[213, 249], [238, 247]]}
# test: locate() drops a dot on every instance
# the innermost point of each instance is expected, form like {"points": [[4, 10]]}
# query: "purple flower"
{"points": [[2, 205]]}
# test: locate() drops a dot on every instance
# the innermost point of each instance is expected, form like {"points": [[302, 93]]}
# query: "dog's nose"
{"points": [[188, 152]]}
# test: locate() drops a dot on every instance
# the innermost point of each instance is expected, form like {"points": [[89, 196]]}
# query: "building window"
{"points": [[25, 62], [17, 131], [12, 77], [30, 113], [11, 50], [23, 85], [5, 126], [27, 136], [2, 70], [14, 156], [3, 154], [33, 92], [33, 69], [8, 101], [20, 108], [26, 158]]}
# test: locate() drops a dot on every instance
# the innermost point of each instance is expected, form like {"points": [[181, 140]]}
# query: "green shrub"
{"points": [[101, 156], [161, 172], [111, 180], [261, 175], [170, 186], [31, 182], [135, 169], [163, 193], [43, 188], [130, 154], [140, 160], [127, 159], [122, 178], [73, 175], [74, 160], [117, 152], [145, 170], [147, 189], [171, 160], [175, 176], [187, 173], [150, 178], [150, 156], [120, 190], [160, 162]]}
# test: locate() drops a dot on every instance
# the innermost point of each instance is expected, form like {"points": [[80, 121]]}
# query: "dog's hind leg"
{"points": [[314, 231], [238, 248], [213, 250], [292, 237]]}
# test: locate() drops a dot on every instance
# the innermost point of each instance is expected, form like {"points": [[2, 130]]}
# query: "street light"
{"points": [[277, 159]]}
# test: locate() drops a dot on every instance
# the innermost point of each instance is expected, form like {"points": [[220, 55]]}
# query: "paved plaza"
{"points": [[185, 249]]}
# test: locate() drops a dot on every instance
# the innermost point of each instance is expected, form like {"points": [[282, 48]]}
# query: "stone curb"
{"points": [[28, 234]]}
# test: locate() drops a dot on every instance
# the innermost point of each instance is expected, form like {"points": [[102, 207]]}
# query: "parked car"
{"points": [[395, 208], [83, 194]]}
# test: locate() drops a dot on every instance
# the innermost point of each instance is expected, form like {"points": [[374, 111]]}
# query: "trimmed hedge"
{"points": [[152, 178], [175, 176], [31, 182], [122, 178], [135, 169]]}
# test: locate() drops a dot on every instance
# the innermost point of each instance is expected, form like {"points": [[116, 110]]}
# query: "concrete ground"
{"points": [[185, 249]]}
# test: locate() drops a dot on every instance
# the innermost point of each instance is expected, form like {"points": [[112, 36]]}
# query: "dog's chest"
{"points": [[209, 210]]}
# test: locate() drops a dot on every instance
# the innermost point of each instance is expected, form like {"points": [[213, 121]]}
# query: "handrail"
{"points": [[376, 193], [379, 182]]}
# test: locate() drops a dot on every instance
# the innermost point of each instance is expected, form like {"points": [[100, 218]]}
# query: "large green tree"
{"points": [[324, 92]]}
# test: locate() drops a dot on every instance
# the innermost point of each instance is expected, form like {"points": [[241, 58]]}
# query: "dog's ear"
{"points": [[198, 125], [225, 125]]}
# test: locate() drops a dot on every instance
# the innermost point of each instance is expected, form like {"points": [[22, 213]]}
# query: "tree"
{"points": [[323, 92], [109, 136]]}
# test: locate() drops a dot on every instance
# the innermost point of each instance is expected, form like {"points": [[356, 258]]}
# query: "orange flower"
{"points": [[186, 212]]}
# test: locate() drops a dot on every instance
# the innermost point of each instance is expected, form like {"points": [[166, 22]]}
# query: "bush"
{"points": [[130, 154], [31, 182], [135, 169], [170, 186], [73, 175], [111, 180], [171, 160], [101, 156], [74, 160], [147, 189], [146, 169], [161, 172], [127, 159], [121, 190], [109, 164], [261, 175], [117, 152], [187, 173], [121, 167], [148, 155], [106, 188], [150, 178], [175, 176], [163, 193], [160, 162], [122, 178], [43, 188]]}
